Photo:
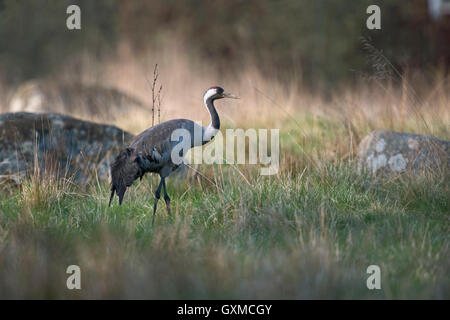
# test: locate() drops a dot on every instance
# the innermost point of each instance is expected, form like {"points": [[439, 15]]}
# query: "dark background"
{"points": [[322, 38]]}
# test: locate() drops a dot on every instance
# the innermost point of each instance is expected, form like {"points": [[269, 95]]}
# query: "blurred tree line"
{"points": [[319, 39]]}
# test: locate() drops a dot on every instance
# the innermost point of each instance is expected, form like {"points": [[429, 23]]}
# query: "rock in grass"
{"points": [[57, 144], [384, 151]]}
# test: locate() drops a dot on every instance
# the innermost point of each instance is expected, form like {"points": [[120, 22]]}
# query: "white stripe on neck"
{"points": [[209, 133], [209, 94]]}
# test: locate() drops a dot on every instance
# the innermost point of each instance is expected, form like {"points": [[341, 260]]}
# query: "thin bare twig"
{"points": [[155, 79], [156, 95]]}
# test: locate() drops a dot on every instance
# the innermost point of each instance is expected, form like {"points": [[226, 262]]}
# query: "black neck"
{"points": [[215, 121]]}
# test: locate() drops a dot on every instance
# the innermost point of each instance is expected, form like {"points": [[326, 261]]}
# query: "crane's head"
{"points": [[214, 93]]}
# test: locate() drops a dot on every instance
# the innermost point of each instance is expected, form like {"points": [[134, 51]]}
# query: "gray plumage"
{"points": [[151, 150]]}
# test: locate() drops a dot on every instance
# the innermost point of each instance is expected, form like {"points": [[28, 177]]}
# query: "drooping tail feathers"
{"points": [[124, 171]]}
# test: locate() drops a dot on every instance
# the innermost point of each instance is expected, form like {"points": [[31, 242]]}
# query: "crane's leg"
{"points": [[157, 196], [113, 189], [166, 196]]}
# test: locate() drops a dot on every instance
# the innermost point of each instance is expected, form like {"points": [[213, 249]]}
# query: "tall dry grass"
{"points": [[314, 126], [402, 102]]}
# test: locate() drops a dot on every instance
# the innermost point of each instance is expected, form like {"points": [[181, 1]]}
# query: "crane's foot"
{"points": [[168, 210], [157, 196], [167, 205], [154, 210]]}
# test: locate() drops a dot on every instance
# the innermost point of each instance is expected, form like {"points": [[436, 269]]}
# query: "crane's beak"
{"points": [[229, 95]]}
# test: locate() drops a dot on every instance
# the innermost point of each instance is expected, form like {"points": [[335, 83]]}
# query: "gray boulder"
{"points": [[57, 143], [384, 151]]}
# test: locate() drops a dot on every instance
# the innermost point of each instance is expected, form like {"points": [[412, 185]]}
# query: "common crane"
{"points": [[151, 150]]}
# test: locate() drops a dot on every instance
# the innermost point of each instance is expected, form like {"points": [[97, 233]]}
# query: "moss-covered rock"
{"points": [[57, 143], [384, 151]]}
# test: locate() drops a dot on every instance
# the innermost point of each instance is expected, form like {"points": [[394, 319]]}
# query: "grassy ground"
{"points": [[309, 232]]}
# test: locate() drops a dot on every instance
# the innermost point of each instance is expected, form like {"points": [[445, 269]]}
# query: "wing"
{"points": [[157, 141]]}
